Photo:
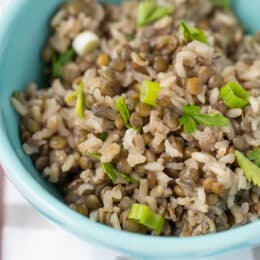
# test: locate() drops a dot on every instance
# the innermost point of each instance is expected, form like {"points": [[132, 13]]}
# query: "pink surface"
{"points": [[1, 209]]}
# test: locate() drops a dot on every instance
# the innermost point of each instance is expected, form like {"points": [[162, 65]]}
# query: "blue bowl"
{"points": [[23, 30]]}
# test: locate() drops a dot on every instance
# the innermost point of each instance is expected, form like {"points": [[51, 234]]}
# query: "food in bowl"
{"points": [[149, 122]]}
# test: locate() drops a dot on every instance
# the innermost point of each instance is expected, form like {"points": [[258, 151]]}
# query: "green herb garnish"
{"points": [[191, 116], [111, 171], [143, 215], [81, 100], [16, 94], [251, 171], [192, 33], [127, 178], [103, 136], [123, 110], [131, 37], [234, 95], [254, 156], [221, 3], [95, 156], [60, 60], [149, 12], [188, 123], [149, 92]]}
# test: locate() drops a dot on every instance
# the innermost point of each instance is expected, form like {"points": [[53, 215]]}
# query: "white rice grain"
{"points": [[19, 107]]}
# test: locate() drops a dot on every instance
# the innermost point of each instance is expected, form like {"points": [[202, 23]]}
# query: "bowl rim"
{"points": [[132, 243]]}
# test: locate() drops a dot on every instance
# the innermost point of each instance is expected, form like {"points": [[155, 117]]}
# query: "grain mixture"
{"points": [[193, 62]]}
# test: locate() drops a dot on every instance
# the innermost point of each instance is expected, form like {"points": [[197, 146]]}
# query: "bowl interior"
{"points": [[23, 32], [21, 52], [248, 14]]}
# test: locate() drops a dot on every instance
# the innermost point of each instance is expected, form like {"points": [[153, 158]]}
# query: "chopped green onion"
{"points": [[127, 178], [103, 136], [192, 33], [142, 214], [149, 12], [71, 97], [251, 171], [234, 95], [191, 116], [85, 42], [255, 156], [112, 173], [81, 100], [111, 170], [221, 3], [59, 61], [123, 110], [149, 92], [95, 156]]}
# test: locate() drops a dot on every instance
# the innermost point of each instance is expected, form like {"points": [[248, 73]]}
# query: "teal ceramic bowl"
{"points": [[23, 30]]}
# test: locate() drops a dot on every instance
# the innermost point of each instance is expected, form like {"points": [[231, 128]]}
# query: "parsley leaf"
{"points": [[192, 33], [188, 124], [254, 155], [191, 116], [211, 120], [191, 110], [149, 12], [59, 60], [251, 171]]}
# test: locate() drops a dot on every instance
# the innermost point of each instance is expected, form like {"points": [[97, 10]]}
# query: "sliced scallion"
{"points": [[123, 110], [127, 178], [149, 92], [80, 100], [95, 156], [142, 214], [234, 95], [111, 171]]}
